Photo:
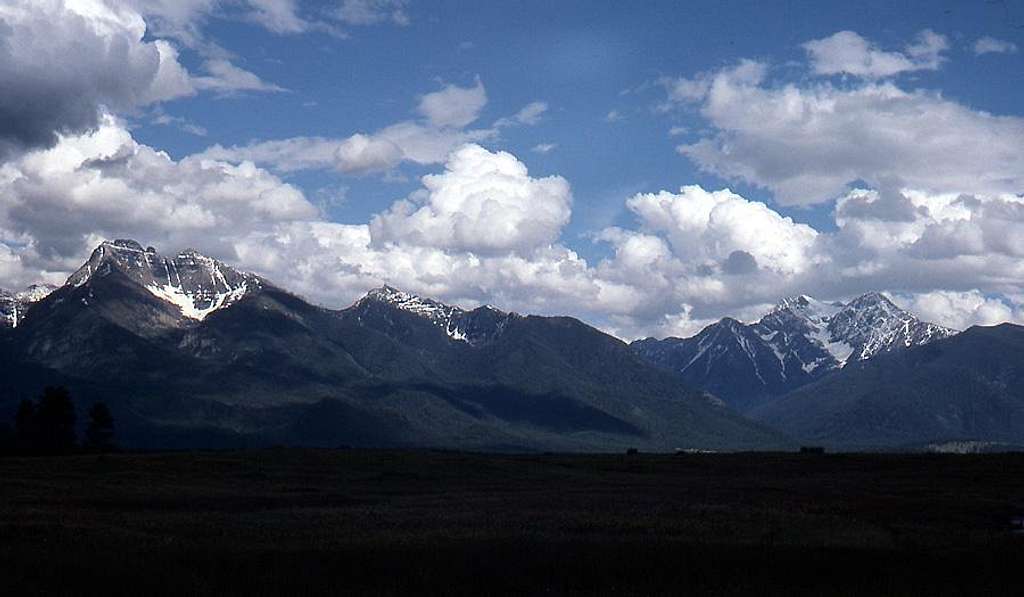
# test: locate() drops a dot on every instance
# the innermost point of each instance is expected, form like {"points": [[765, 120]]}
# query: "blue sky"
{"points": [[839, 139], [586, 60]]}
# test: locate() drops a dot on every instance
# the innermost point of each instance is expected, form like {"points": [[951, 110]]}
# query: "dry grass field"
{"points": [[432, 522]]}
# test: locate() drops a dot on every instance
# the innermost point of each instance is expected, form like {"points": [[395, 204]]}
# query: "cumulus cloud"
{"points": [[427, 141], [848, 53], [939, 224], [991, 45], [482, 230], [64, 64], [704, 226], [337, 263], [483, 202], [58, 203], [61, 62], [808, 143], [961, 310]]}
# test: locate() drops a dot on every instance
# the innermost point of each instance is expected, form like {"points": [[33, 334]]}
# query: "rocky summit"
{"points": [[801, 339]]}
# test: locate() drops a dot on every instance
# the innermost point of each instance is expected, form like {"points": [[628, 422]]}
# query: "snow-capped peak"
{"points": [[412, 303], [872, 323], [796, 342], [865, 326], [13, 305], [807, 307], [472, 327], [198, 285]]}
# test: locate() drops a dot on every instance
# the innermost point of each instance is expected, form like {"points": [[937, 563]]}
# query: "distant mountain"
{"points": [[476, 327], [966, 389], [190, 352], [799, 341], [13, 305], [196, 284]]}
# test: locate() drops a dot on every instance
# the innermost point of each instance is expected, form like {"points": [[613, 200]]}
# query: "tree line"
{"points": [[47, 426]]}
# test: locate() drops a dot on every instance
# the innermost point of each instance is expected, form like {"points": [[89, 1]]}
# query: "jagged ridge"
{"points": [[798, 341], [474, 327], [392, 370], [198, 285]]}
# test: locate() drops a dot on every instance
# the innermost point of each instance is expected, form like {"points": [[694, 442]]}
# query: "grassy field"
{"points": [[388, 522]]}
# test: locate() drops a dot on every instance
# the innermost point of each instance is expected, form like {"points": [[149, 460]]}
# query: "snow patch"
{"points": [[187, 303]]}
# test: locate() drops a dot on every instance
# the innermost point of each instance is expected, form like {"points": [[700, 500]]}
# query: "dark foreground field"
{"points": [[344, 522]]}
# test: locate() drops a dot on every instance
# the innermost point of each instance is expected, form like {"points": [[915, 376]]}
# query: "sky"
{"points": [[647, 167]]}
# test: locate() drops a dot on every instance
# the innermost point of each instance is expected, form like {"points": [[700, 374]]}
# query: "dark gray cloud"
{"points": [[62, 66], [739, 263]]}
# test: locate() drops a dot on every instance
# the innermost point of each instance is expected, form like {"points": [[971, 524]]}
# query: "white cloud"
{"points": [[164, 119], [613, 116], [278, 16], [544, 147], [371, 12], [421, 142], [532, 113], [180, 20], [529, 115], [707, 227], [484, 230], [808, 143], [453, 106], [357, 154], [991, 45], [226, 78], [59, 202], [682, 89], [847, 53], [336, 263], [484, 202], [960, 310]]}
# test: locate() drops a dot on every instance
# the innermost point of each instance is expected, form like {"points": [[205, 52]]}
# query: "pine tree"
{"points": [[55, 421], [25, 431], [99, 435]]}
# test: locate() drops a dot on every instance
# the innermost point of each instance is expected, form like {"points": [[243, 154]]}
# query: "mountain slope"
{"points": [[799, 341], [14, 305], [966, 387], [191, 348]]}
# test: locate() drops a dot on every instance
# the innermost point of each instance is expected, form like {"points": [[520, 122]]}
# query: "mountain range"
{"points": [[190, 352], [969, 387], [797, 342]]}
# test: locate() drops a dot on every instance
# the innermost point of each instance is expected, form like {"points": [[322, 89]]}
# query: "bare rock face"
{"points": [[196, 284]]}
